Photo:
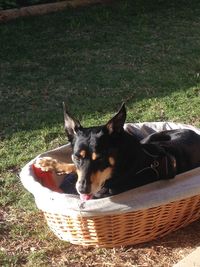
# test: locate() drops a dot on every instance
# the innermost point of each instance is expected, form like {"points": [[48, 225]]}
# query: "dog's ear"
{"points": [[116, 124], [71, 125]]}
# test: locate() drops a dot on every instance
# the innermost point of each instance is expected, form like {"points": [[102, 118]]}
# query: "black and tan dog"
{"points": [[108, 160]]}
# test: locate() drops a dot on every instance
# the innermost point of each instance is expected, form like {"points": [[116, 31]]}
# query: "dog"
{"points": [[108, 160]]}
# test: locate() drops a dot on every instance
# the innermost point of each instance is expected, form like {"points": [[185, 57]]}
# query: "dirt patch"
{"points": [[25, 237], [163, 252]]}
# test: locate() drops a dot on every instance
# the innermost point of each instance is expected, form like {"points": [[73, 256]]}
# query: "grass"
{"points": [[146, 53]]}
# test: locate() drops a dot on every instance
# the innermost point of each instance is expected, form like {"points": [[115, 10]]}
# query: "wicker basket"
{"points": [[138, 215]]}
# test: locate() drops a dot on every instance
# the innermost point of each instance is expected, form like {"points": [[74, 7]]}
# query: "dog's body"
{"points": [[108, 160]]}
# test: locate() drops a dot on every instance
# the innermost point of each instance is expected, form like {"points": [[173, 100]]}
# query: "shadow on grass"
{"points": [[95, 58], [143, 52]]}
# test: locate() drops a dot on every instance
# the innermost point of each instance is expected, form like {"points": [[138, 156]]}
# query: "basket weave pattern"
{"points": [[128, 228], [133, 217]]}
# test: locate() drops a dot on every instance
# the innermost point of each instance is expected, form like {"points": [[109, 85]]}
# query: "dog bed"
{"points": [[138, 215]]}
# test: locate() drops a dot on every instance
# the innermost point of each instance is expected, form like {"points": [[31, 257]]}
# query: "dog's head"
{"points": [[94, 151]]}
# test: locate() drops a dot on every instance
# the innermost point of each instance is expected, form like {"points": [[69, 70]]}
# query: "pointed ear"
{"points": [[71, 125], [116, 124]]}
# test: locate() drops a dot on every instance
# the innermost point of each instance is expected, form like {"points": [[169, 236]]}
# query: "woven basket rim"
{"points": [[159, 193]]}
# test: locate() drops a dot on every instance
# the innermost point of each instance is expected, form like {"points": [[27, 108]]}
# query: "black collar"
{"points": [[163, 164], [159, 166]]}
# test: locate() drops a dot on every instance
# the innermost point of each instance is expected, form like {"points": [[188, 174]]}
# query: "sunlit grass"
{"points": [[146, 53]]}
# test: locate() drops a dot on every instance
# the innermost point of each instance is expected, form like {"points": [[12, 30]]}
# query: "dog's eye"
{"points": [[100, 159], [97, 157]]}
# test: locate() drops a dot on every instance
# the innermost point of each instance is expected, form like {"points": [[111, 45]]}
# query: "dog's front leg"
{"points": [[50, 164]]}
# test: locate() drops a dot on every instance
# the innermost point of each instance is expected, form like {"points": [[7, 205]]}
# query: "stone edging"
{"points": [[41, 9], [191, 260]]}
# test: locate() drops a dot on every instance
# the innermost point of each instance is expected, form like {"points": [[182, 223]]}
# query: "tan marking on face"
{"points": [[98, 179], [94, 156], [82, 153], [111, 161]]}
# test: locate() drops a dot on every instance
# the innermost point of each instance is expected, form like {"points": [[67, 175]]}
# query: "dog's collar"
{"points": [[164, 164]]}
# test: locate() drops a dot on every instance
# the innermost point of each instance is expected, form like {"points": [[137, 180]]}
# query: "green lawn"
{"points": [[146, 53]]}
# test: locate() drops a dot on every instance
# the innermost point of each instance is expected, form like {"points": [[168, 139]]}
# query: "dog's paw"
{"points": [[49, 164], [46, 164]]}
